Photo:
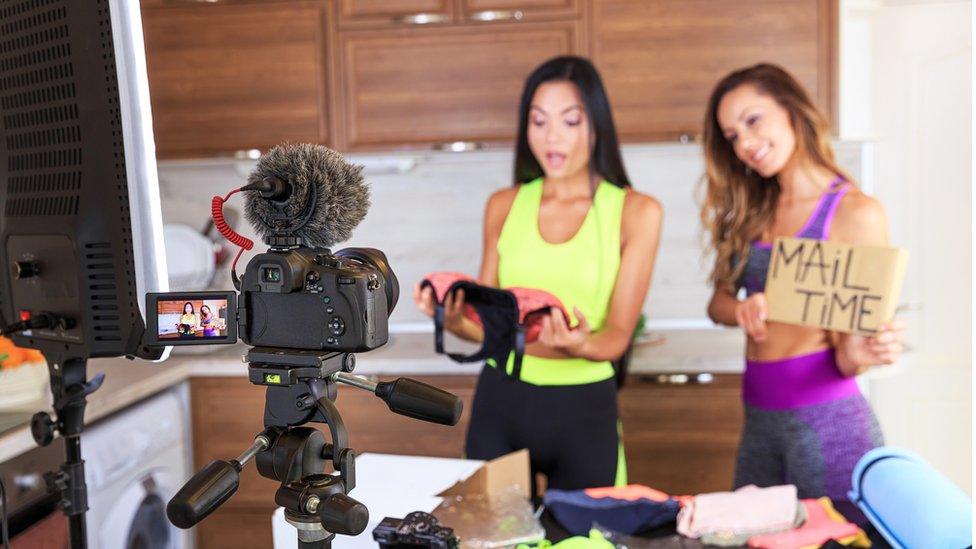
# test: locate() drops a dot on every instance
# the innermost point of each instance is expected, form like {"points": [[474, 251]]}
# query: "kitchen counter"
{"points": [[408, 354], [126, 383], [676, 351]]}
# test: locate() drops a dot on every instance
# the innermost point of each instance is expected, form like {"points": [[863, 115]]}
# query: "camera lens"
{"points": [[271, 274], [376, 259]]}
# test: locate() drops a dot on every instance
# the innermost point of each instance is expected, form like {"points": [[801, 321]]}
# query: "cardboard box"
{"points": [[491, 507], [834, 286], [508, 474]]}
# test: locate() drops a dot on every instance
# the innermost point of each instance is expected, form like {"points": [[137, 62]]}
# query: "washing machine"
{"points": [[134, 462]]}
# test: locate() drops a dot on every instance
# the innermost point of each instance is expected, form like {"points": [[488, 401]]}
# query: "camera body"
{"points": [[418, 529], [312, 299], [299, 298]]}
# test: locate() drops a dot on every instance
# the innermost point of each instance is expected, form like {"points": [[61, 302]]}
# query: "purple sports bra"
{"points": [[753, 278]]}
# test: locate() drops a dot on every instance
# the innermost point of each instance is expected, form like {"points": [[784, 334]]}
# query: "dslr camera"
{"points": [[301, 298], [317, 300], [298, 295]]}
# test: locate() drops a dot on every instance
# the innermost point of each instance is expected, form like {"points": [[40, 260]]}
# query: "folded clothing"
{"points": [[626, 509], [594, 540], [823, 523], [731, 518], [510, 318]]}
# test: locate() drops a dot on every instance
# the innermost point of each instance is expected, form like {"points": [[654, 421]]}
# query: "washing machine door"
{"points": [[138, 518], [149, 528]]}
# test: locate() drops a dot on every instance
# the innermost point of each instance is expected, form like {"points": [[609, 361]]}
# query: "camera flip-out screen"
{"points": [[191, 318]]}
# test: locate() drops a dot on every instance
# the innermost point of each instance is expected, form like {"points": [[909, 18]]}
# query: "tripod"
{"points": [[302, 388]]}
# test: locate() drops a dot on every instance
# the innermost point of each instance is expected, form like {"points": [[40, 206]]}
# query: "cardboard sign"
{"points": [[834, 286]]}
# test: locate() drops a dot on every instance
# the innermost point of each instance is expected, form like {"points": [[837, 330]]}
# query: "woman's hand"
{"points": [[424, 299], [558, 335], [857, 353], [751, 315], [453, 306]]}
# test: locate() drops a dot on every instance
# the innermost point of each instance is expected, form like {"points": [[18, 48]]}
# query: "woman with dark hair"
{"points": [[572, 226], [771, 172], [188, 320]]}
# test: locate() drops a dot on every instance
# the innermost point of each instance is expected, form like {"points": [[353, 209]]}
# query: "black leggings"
{"points": [[569, 430]]}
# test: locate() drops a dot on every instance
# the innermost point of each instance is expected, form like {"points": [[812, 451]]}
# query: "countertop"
{"points": [[130, 381], [673, 351], [126, 383]]}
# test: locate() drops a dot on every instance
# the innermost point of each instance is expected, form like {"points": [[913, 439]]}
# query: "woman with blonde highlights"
{"points": [[770, 173]]}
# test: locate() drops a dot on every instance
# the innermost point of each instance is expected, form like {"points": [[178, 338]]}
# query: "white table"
{"points": [[389, 486]]}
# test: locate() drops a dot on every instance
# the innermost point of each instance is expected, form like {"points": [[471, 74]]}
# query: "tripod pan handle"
{"points": [[411, 398], [203, 494]]}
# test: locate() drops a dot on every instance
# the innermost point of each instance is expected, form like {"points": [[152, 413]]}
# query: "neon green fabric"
{"points": [[621, 478], [594, 541], [581, 272]]}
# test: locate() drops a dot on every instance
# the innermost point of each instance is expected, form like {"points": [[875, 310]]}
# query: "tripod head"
{"points": [[301, 388]]}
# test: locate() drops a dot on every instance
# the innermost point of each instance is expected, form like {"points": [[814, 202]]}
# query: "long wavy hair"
{"points": [[739, 203], [605, 158]]}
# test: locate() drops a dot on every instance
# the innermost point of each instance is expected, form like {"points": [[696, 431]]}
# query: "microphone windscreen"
{"points": [[341, 194]]}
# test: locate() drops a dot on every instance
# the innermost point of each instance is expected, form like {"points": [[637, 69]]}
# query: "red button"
{"points": [[25, 315]]}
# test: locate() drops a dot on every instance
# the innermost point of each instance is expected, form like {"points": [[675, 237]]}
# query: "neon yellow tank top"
{"points": [[581, 272]]}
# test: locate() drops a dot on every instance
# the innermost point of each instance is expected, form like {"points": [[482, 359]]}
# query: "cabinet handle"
{"points": [[497, 15], [459, 146], [421, 19]]}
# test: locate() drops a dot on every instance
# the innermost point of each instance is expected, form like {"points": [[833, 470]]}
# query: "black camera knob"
{"points": [[326, 260], [341, 514], [42, 428], [312, 277]]}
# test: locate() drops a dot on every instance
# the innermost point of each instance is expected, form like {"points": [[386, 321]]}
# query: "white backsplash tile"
{"points": [[430, 218]]}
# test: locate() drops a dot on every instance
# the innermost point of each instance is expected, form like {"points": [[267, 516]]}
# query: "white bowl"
{"points": [[24, 387]]}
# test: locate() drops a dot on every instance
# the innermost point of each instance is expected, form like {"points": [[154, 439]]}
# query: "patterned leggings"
{"points": [[791, 438]]}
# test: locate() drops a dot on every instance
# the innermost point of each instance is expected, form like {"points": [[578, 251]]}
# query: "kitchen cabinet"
{"points": [[362, 13], [660, 58], [490, 10], [681, 438], [426, 86], [361, 75], [230, 77], [380, 13]]}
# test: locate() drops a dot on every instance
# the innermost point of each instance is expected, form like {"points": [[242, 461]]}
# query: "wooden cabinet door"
{"points": [[241, 76], [358, 13], [170, 3], [660, 58], [681, 439], [420, 87], [500, 10]]}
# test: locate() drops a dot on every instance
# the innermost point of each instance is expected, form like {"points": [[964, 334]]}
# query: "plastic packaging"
{"points": [[503, 520]]}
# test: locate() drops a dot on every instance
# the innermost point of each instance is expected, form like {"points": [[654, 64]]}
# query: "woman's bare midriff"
{"points": [[787, 340]]}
